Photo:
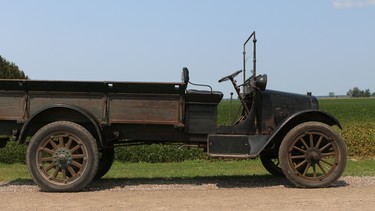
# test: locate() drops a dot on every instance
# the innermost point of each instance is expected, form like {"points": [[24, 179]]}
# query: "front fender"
{"points": [[300, 117], [311, 115]]}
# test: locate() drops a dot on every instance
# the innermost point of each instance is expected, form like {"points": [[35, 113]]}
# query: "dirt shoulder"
{"points": [[265, 193]]}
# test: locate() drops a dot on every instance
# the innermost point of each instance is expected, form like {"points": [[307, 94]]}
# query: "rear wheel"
{"points": [[272, 165], [313, 155], [105, 162], [62, 156]]}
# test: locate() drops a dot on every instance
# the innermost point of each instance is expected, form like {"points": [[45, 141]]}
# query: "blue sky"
{"points": [[320, 46]]}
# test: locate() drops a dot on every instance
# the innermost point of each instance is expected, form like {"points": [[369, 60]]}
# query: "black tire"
{"points": [[272, 165], [62, 157], [105, 161], [313, 155]]}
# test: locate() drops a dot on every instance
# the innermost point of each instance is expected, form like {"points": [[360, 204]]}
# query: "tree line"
{"points": [[356, 92], [9, 70]]}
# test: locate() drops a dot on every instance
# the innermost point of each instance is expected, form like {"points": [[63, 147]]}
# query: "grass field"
{"points": [[346, 110], [350, 110], [188, 169], [357, 117]]}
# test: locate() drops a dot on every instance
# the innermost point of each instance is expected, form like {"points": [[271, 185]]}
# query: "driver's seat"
{"points": [[193, 95]]}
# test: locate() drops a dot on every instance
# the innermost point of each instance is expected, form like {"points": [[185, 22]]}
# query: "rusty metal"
{"points": [[12, 106], [145, 109]]}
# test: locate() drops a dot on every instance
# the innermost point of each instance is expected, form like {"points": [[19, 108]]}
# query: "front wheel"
{"points": [[62, 156], [313, 155]]}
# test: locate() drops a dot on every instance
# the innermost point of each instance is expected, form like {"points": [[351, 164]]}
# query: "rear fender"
{"points": [[54, 113]]}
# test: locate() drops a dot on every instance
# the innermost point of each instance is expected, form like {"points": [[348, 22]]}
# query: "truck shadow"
{"points": [[179, 183], [218, 182]]}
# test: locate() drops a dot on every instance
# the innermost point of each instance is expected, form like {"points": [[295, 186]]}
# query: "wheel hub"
{"points": [[313, 155], [62, 158]]}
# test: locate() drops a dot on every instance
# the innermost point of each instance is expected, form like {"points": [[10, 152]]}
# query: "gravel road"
{"points": [[230, 193]]}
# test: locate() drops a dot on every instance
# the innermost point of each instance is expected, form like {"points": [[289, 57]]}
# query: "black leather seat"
{"points": [[193, 95]]}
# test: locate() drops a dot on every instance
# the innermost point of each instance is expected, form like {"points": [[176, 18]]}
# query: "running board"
{"points": [[235, 146]]}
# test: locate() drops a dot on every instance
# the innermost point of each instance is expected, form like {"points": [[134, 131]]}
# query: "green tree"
{"points": [[356, 92], [331, 94], [367, 93], [9, 70], [350, 93]]}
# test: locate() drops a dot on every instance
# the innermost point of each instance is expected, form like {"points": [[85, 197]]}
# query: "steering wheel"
{"points": [[230, 76]]}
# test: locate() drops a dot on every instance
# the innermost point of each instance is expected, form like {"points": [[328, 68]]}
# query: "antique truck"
{"points": [[72, 127]]}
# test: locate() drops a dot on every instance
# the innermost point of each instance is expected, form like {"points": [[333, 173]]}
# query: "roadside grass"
{"points": [[187, 169]]}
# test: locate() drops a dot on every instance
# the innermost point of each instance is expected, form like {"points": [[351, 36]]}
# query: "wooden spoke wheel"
{"points": [[313, 155], [62, 156]]}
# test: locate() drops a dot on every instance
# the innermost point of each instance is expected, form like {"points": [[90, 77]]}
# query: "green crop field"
{"points": [[350, 110], [356, 115]]}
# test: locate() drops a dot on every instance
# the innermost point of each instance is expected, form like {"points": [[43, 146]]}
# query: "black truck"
{"points": [[72, 127]]}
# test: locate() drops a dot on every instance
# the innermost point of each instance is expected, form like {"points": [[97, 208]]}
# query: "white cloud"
{"points": [[352, 3]]}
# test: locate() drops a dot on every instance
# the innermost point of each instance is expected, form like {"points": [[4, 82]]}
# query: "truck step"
{"points": [[235, 146]]}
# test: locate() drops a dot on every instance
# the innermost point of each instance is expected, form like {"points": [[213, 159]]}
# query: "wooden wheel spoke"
{"points": [[63, 171], [71, 171], [75, 148], [328, 154], [304, 143], [300, 164], [76, 164], [53, 144], [46, 159], [77, 156], [49, 151], [61, 141], [306, 169], [325, 147], [67, 145], [326, 162], [319, 142], [311, 137], [321, 168], [314, 170], [299, 149], [297, 157], [56, 172], [51, 165]]}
